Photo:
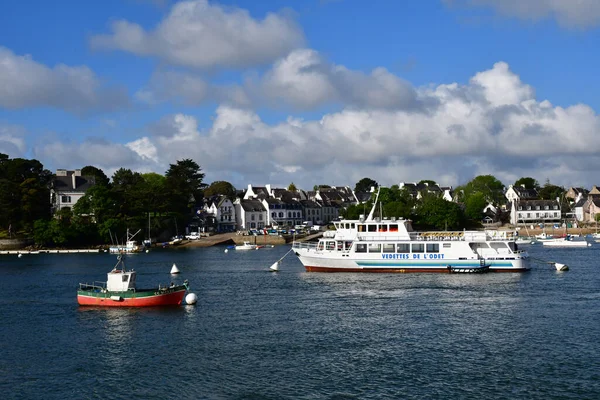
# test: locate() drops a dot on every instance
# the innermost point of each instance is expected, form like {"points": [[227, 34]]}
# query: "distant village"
{"points": [[259, 207]]}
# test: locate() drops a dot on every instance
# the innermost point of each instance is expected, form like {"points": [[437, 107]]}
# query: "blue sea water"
{"points": [[255, 334]]}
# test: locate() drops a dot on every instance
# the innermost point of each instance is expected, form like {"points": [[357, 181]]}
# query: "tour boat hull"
{"points": [[94, 296], [320, 264]]}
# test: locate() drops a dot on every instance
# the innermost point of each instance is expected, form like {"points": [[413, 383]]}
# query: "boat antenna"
{"points": [[370, 217]]}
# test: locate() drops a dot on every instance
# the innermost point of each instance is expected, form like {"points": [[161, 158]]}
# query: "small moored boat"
{"points": [[120, 291], [246, 246]]}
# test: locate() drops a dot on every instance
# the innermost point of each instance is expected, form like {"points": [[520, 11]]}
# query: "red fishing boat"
{"points": [[120, 291]]}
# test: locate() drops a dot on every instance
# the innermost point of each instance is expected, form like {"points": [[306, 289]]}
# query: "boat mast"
{"points": [[370, 217]]}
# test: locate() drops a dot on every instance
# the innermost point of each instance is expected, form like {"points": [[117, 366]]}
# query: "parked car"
{"points": [[193, 236]]}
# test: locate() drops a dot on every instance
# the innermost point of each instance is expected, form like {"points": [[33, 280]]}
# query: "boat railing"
{"points": [[94, 285], [304, 245]]}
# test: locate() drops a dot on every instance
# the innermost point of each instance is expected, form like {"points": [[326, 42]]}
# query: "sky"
{"points": [[308, 92]]}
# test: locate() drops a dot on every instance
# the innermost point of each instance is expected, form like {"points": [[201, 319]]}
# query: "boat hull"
{"points": [[140, 298], [335, 264]]}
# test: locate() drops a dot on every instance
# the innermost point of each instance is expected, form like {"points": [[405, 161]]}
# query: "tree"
{"points": [[474, 206], [184, 184], [220, 187], [436, 213], [551, 192], [527, 183], [292, 187], [101, 178], [491, 188], [365, 185]]}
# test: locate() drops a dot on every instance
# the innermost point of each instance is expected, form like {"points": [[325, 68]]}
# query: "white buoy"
{"points": [[147, 251], [274, 267], [20, 255], [561, 267], [191, 298], [226, 250], [174, 269]]}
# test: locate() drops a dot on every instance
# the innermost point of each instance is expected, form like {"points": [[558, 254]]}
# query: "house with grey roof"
{"points": [[68, 187], [535, 211], [250, 214], [518, 193], [221, 208]]}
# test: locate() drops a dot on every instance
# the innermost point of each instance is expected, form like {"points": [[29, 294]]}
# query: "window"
{"points": [[280, 215], [537, 207], [447, 245], [546, 208], [403, 248], [388, 248], [418, 248], [433, 247], [65, 199], [260, 217], [374, 247], [372, 228], [393, 228], [330, 245], [382, 228], [361, 247], [347, 245], [252, 217]]}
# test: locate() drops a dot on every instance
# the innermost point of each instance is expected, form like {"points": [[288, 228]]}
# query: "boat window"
{"points": [[347, 245], [393, 227], [340, 246], [382, 228], [513, 246], [403, 248], [125, 278], [433, 247], [361, 228], [372, 228], [447, 245], [361, 247], [418, 248], [352, 225], [388, 248], [374, 247], [330, 245], [320, 246]]}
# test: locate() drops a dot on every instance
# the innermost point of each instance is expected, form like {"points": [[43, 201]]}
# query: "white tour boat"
{"points": [[376, 245]]}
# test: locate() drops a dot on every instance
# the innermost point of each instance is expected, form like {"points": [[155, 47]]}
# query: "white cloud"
{"points": [[301, 80], [202, 35], [491, 125], [569, 13], [305, 80], [12, 140], [27, 83]]}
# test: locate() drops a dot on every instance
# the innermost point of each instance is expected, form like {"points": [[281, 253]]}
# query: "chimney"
{"points": [[61, 172], [74, 178]]}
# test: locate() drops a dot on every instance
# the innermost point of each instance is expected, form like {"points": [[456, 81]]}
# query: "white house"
{"points": [[68, 187], [527, 211], [250, 214], [223, 210]]}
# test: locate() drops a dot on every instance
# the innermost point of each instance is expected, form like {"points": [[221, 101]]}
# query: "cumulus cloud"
{"points": [[12, 140], [569, 13], [27, 83], [493, 124], [301, 80], [189, 89], [202, 35]]}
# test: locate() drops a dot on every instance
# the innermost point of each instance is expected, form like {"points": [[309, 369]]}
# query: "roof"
{"points": [[252, 205], [65, 183]]}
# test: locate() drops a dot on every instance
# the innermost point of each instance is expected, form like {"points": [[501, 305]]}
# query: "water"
{"points": [[255, 334]]}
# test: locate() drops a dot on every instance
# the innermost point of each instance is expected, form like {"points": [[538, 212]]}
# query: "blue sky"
{"points": [[310, 92]]}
